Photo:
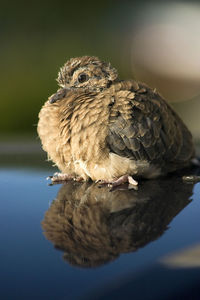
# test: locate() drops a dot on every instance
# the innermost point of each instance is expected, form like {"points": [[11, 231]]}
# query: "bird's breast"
{"points": [[89, 126]]}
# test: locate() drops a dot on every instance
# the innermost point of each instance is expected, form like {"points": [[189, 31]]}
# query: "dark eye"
{"points": [[82, 77]]}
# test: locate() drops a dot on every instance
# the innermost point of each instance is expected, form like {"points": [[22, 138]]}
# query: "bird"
{"points": [[100, 127]]}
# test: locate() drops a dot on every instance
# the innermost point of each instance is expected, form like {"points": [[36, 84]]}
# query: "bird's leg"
{"points": [[60, 177], [121, 180], [124, 179]]}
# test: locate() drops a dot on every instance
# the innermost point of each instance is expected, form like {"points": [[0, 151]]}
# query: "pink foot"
{"points": [[60, 177], [121, 180]]}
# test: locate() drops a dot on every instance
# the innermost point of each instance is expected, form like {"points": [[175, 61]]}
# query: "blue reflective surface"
{"points": [[31, 268]]}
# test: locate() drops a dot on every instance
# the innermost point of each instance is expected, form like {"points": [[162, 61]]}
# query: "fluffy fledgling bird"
{"points": [[100, 127]]}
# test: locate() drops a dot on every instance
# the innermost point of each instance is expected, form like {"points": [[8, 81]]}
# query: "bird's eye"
{"points": [[82, 77]]}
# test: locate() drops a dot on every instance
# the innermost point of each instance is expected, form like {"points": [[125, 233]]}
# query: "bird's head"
{"points": [[86, 72]]}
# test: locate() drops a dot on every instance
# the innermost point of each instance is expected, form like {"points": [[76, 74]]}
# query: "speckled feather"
{"points": [[104, 127]]}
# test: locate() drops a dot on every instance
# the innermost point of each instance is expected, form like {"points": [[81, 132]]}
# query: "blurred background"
{"points": [[154, 42]]}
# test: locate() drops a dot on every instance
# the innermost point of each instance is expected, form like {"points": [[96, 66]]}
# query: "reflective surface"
{"points": [[94, 226], [109, 240]]}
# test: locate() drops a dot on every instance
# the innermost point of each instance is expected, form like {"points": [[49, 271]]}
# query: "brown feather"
{"points": [[104, 128]]}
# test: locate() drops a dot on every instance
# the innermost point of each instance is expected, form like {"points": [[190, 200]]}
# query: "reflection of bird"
{"points": [[93, 226], [97, 126]]}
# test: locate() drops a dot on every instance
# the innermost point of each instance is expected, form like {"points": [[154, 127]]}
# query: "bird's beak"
{"points": [[60, 94]]}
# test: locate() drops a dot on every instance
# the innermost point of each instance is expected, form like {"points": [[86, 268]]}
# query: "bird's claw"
{"points": [[133, 184], [60, 178]]}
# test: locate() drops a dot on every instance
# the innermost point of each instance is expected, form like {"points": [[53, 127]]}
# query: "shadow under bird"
{"points": [[99, 127]]}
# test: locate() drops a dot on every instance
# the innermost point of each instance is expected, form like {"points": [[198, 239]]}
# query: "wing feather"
{"points": [[144, 127]]}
